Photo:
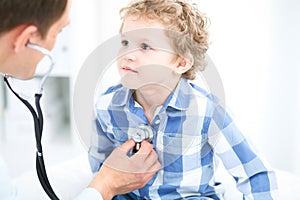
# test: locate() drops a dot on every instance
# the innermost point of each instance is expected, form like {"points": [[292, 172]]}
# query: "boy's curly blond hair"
{"points": [[180, 17]]}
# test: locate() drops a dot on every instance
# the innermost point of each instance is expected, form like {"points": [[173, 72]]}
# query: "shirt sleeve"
{"points": [[107, 135], [90, 194], [101, 146], [254, 178]]}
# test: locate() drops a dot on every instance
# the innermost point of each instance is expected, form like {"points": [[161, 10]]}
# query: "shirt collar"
{"points": [[179, 99], [121, 96]]}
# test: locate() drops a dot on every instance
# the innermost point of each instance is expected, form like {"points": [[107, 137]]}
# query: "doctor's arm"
{"points": [[121, 174]]}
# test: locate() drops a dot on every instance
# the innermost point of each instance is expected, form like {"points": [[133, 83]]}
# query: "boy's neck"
{"points": [[151, 96]]}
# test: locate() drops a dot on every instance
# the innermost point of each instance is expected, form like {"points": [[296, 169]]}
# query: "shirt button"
{"points": [[157, 121]]}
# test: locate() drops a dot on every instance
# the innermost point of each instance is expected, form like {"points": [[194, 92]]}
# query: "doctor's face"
{"points": [[23, 65], [49, 41]]}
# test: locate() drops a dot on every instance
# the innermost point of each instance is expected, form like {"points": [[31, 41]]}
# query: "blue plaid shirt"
{"points": [[191, 129]]}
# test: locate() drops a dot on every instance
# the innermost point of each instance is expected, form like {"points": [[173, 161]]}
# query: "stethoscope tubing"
{"points": [[38, 128], [38, 120]]}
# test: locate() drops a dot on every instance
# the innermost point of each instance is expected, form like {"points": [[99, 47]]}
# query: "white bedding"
{"points": [[70, 177]]}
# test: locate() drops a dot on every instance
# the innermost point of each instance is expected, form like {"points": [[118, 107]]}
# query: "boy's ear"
{"points": [[23, 37], [184, 63]]}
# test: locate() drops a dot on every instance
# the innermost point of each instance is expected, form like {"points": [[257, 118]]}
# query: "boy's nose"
{"points": [[131, 56]]}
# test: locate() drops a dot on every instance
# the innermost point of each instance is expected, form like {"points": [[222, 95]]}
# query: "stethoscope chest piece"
{"points": [[139, 134]]}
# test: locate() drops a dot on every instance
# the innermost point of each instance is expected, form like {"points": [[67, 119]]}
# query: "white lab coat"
{"points": [[9, 192]]}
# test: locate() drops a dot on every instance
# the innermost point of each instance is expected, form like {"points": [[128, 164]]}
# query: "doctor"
{"points": [[39, 22]]}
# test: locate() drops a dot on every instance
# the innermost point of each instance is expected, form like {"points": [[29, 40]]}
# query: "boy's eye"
{"points": [[124, 43], [145, 46]]}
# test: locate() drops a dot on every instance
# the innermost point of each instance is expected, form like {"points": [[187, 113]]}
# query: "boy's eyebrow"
{"points": [[144, 39]]}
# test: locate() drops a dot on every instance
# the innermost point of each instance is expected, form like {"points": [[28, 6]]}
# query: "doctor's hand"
{"points": [[121, 174]]}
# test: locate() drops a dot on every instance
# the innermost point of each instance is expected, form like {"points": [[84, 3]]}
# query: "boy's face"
{"points": [[146, 55]]}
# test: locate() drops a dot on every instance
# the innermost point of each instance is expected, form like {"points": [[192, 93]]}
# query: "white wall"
{"points": [[255, 46], [92, 23], [282, 112]]}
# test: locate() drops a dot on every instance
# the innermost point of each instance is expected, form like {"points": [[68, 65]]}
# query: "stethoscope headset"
{"points": [[38, 123]]}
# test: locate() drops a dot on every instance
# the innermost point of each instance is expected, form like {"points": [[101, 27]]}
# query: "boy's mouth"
{"points": [[126, 68]]}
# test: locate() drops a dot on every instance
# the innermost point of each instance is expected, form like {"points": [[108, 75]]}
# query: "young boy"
{"points": [[163, 47]]}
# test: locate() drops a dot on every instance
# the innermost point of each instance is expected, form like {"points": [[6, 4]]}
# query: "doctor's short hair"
{"points": [[41, 13], [187, 27]]}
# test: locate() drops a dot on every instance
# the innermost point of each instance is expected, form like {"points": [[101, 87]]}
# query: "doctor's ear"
{"points": [[23, 36], [184, 63]]}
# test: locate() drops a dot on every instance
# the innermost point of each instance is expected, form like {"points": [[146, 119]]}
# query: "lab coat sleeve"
{"points": [[7, 189], [90, 194]]}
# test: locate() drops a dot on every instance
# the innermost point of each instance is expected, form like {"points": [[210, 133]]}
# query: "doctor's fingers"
{"points": [[152, 162], [146, 148], [127, 146], [142, 178], [147, 163]]}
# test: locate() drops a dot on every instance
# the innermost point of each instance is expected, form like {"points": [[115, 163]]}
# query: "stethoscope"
{"points": [[38, 123], [139, 134]]}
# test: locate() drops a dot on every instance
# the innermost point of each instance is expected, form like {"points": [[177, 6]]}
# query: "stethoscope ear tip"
{"points": [[5, 76], [49, 55]]}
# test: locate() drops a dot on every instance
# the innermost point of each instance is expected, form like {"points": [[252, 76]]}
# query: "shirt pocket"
{"points": [[177, 150], [180, 144]]}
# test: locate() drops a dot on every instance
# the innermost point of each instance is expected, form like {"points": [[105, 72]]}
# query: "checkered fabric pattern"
{"points": [[191, 130]]}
